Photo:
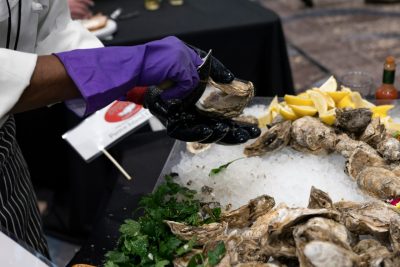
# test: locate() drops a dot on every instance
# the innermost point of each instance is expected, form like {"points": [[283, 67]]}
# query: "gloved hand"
{"points": [[103, 75], [185, 122]]}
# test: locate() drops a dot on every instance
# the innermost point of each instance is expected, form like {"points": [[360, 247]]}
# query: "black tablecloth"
{"points": [[246, 37], [143, 158]]}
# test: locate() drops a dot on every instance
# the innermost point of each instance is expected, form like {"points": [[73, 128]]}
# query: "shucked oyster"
{"points": [[227, 100], [276, 137]]}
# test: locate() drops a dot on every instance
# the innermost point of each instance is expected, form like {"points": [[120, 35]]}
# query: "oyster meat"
{"points": [[374, 133], [274, 138], [196, 148], [247, 214], [361, 159], [379, 182], [319, 199], [310, 134], [366, 218], [227, 100], [353, 120], [326, 254]]}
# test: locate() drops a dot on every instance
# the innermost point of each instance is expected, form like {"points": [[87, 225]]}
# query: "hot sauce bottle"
{"points": [[387, 89]]}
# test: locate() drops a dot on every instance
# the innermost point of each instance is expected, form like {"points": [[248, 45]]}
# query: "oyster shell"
{"points": [[310, 134], [325, 254], [353, 120], [227, 100], [196, 148], [394, 233], [274, 138], [319, 199], [379, 182], [389, 148], [371, 252], [184, 260], [361, 159], [366, 218], [249, 119], [374, 133], [247, 214], [203, 233], [323, 230], [346, 145]]}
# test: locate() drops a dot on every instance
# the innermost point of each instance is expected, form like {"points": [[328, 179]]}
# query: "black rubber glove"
{"points": [[186, 123]]}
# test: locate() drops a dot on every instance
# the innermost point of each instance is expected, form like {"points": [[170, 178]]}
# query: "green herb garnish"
{"points": [[148, 241], [222, 167], [396, 134], [213, 257]]}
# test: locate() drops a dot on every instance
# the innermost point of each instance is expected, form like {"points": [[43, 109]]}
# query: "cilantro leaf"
{"points": [[222, 167], [216, 255], [130, 228], [162, 263]]}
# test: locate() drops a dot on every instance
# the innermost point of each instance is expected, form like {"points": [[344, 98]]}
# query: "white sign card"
{"points": [[105, 127]]}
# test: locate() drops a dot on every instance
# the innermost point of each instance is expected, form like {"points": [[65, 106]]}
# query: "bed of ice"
{"points": [[286, 175]]}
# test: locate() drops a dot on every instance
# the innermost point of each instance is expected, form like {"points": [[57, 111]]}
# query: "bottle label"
{"points": [[388, 76]]}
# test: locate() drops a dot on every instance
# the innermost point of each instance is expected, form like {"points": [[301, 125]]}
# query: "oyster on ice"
{"points": [[346, 145], [366, 218], [379, 182], [374, 133], [319, 199], [353, 120], [394, 233], [389, 148], [227, 100], [311, 135], [249, 119], [247, 214], [361, 159], [274, 138], [371, 252], [326, 254]]}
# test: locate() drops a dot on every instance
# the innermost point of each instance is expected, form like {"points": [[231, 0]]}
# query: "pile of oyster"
{"points": [[322, 235], [373, 156]]}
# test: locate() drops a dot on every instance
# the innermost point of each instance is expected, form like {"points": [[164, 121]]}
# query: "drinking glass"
{"points": [[359, 81]]}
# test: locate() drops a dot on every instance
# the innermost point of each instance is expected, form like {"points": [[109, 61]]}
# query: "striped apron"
{"points": [[19, 213]]}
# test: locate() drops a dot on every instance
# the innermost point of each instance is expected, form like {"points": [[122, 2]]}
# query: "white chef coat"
{"points": [[46, 27]]}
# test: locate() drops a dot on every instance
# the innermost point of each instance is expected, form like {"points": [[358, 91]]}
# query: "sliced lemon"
{"points": [[303, 95], [319, 101], [328, 117], [296, 100], [269, 114], [264, 120], [338, 95], [304, 110], [330, 85], [357, 99], [346, 102], [381, 111], [287, 113], [345, 89], [367, 104], [329, 100]]}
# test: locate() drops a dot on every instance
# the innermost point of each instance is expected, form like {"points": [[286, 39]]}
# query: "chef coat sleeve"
{"points": [[58, 32], [16, 70]]}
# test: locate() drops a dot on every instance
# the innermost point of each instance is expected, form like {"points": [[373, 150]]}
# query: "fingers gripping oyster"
{"points": [[227, 100]]}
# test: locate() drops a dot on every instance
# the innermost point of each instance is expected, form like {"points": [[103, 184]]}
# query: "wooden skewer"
{"points": [[114, 161]]}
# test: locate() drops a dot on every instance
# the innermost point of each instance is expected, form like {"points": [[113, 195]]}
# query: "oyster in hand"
{"points": [[227, 100], [275, 138]]}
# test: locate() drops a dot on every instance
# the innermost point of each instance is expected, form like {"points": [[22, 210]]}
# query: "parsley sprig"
{"points": [[148, 241]]}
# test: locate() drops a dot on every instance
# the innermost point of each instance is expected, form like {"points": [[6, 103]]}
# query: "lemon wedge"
{"points": [[319, 101], [329, 117], [381, 111], [329, 100], [303, 95], [357, 99], [346, 102], [367, 104], [329, 86], [287, 113], [338, 95], [296, 100], [304, 110], [272, 110]]}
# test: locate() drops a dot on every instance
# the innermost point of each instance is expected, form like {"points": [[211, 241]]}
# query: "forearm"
{"points": [[49, 84]]}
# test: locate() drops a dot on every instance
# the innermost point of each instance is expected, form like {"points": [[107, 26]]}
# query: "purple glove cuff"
{"points": [[103, 75]]}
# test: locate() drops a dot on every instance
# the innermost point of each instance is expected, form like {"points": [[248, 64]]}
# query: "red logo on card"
{"points": [[121, 110]]}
